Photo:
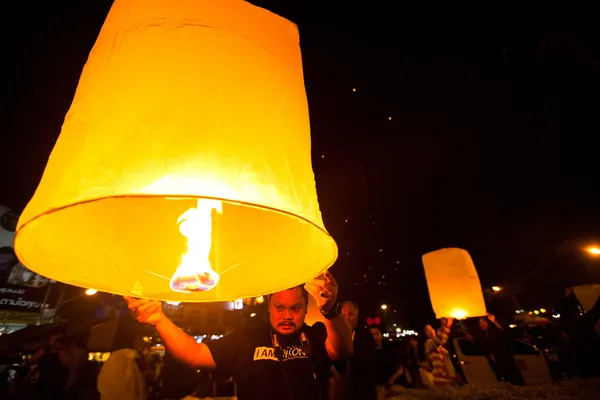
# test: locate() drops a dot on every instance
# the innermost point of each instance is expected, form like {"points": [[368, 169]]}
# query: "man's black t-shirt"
{"points": [[249, 356]]}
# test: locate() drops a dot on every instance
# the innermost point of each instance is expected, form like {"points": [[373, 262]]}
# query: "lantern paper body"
{"points": [[453, 283], [182, 100]]}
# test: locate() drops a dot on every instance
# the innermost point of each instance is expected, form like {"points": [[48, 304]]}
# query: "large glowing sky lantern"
{"points": [[183, 168], [453, 283]]}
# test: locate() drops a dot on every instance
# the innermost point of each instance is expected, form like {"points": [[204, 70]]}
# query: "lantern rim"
{"points": [[22, 225]]}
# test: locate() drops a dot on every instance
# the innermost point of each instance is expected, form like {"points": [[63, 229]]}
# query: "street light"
{"points": [[384, 307], [594, 250], [496, 288], [90, 292]]}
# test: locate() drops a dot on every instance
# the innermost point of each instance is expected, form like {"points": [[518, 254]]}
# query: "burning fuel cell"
{"points": [[195, 273]]}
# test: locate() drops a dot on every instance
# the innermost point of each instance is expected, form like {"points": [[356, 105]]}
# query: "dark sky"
{"points": [[492, 144]]}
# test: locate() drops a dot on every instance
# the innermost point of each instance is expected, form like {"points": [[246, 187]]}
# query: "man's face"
{"points": [[287, 310], [351, 314], [54, 342]]}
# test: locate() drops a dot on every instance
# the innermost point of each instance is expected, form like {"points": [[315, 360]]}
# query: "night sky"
{"points": [[432, 127]]}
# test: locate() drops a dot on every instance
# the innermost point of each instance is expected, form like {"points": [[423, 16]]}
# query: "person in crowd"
{"points": [[52, 375], [391, 376], [178, 379], [494, 343], [120, 377], [284, 359], [357, 375], [415, 357], [438, 356], [81, 381]]}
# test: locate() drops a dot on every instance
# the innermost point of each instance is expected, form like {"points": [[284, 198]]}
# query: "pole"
{"points": [[60, 301], [44, 304]]}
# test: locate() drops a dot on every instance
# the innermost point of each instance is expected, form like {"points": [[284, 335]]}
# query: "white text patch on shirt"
{"points": [[289, 353]]}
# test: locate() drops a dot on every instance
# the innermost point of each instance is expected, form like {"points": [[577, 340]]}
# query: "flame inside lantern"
{"points": [[195, 273], [458, 313]]}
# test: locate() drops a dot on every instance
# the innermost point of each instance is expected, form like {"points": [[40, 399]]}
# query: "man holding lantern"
{"points": [[285, 359]]}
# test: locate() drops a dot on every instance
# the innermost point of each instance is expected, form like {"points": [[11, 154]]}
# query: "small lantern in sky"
{"points": [[453, 283], [183, 168]]}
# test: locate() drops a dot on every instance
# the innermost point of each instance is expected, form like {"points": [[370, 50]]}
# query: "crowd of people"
{"points": [[284, 358]]}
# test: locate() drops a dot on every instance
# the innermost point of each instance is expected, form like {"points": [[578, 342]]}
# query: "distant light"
{"points": [[543, 310], [252, 315], [512, 326], [354, 89], [556, 316], [384, 307], [530, 313], [91, 292], [594, 250], [536, 312], [238, 304], [260, 299], [380, 250], [496, 288], [345, 220], [389, 118], [398, 329], [322, 155]]}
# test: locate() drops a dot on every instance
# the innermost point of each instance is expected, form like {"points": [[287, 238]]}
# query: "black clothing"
{"points": [[52, 378], [359, 374], [249, 355], [495, 345], [178, 379]]}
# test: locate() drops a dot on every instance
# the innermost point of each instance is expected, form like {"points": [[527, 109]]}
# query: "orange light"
{"points": [[206, 125], [594, 250], [458, 314]]}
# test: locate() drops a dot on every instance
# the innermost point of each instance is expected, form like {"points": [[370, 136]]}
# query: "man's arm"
{"points": [[339, 333], [177, 342], [183, 347], [493, 321], [339, 338]]}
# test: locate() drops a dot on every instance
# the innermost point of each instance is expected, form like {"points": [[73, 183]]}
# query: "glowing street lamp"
{"points": [[384, 307], [90, 292], [594, 250], [496, 288]]}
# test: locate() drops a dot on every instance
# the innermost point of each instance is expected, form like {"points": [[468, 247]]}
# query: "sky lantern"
{"points": [[453, 283], [183, 168]]}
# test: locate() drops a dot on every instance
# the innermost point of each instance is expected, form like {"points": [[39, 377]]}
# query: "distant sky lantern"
{"points": [[183, 168], [454, 287]]}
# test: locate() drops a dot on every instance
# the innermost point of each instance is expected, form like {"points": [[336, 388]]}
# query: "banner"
{"points": [[20, 289]]}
